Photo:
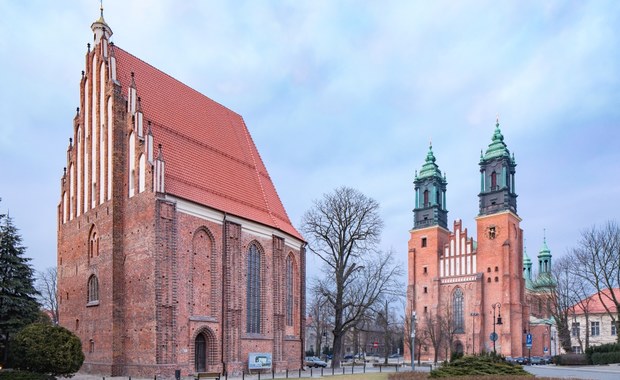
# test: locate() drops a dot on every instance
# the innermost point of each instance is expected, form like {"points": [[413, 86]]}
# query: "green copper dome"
{"points": [[430, 168], [544, 251], [498, 147]]}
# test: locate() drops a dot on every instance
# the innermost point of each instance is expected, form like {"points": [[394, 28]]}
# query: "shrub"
{"points": [[606, 357], [478, 366], [571, 359], [47, 349], [603, 348], [23, 375]]}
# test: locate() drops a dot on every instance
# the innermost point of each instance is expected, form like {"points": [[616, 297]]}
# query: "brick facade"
{"points": [[151, 279]]}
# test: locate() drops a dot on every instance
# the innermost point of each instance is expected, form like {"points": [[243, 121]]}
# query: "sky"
{"points": [[344, 93]]}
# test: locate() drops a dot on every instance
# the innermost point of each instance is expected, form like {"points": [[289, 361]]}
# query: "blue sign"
{"points": [[493, 336], [528, 340]]}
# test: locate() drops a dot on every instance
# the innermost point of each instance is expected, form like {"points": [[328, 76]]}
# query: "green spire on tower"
{"points": [[497, 147], [430, 168]]}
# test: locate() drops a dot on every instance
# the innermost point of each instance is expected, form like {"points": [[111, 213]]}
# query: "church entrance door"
{"points": [[200, 353]]}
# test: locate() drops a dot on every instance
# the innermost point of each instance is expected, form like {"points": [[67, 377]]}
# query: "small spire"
{"points": [[150, 131], [77, 111], [160, 155], [88, 46], [497, 120], [70, 142], [64, 171]]}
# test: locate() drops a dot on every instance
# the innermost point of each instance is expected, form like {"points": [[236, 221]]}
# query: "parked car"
{"points": [[348, 357], [521, 360], [547, 359], [536, 360], [395, 356], [313, 361]]}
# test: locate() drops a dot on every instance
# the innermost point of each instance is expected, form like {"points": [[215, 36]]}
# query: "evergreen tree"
{"points": [[18, 303]]}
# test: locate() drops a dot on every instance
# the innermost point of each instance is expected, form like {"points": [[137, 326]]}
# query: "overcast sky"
{"points": [[344, 93]]}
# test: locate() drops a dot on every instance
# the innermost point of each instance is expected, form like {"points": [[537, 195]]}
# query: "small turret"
{"points": [[101, 29], [527, 270]]}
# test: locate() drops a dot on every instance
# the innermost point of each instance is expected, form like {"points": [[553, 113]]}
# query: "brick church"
{"points": [[174, 249], [474, 291]]}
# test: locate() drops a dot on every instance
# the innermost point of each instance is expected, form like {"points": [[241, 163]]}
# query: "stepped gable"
{"points": [[210, 156]]}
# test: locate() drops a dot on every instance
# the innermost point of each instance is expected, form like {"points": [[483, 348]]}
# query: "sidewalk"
{"points": [[305, 374]]}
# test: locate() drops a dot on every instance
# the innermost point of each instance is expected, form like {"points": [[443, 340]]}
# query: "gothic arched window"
{"points": [[93, 289], [289, 291], [425, 198], [253, 291], [493, 181], [457, 310]]}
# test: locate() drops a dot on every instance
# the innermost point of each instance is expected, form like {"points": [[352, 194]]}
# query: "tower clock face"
{"points": [[492, 232]]}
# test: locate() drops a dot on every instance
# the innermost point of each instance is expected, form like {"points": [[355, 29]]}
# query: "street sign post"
{"points": [[528, 344]]}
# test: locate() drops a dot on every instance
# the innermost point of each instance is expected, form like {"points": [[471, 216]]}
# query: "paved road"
{"points": [[603, 372]]}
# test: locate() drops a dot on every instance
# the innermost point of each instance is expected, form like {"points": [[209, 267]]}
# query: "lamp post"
{"points": [[413, 318], [497, 321], [473, 331]]}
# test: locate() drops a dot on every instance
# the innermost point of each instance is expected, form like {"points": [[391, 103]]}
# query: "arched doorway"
{"points": [[200, 352], [458, 347]]}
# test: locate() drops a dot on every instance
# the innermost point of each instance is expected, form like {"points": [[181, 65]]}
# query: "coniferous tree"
{"points": [[18, 303]]}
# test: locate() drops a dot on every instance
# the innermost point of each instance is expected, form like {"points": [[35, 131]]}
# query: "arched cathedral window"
{"points": [[457, 311], [93, 289], [253, 291], [289, 291]]}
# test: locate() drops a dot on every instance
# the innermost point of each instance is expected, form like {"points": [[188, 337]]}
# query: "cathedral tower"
{"points": [[500, 247], [428, 237]]}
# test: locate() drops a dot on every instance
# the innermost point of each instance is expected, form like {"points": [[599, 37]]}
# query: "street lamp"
{"points": [[473, 331], [497, 321], [413, 340]]}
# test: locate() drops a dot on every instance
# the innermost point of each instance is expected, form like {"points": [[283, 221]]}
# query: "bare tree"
{"points": [[344, 229], [562, 299], [432, 331], [598, 255], [390, 327], [320, 318], [46, 285], [448, 326]]}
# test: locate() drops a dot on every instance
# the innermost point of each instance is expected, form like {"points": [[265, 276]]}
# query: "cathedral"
{"points": [[475, 295], [175, 252]]}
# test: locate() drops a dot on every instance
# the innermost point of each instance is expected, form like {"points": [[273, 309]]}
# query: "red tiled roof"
{"points": [[209, 153], [594, 305]]}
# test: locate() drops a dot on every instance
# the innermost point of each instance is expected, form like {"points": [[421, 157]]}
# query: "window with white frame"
{"points": [[595, 328]]}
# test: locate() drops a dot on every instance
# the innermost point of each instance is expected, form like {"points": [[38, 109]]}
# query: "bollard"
{"points": [[258, 374], [242, 374], [343, 370], [321, 371], [332, 371], [287, 373], [380, 368], [300, 373]]}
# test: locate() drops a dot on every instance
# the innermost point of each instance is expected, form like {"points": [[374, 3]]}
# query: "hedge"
{"points": [[571, 359], [606, 357]]}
